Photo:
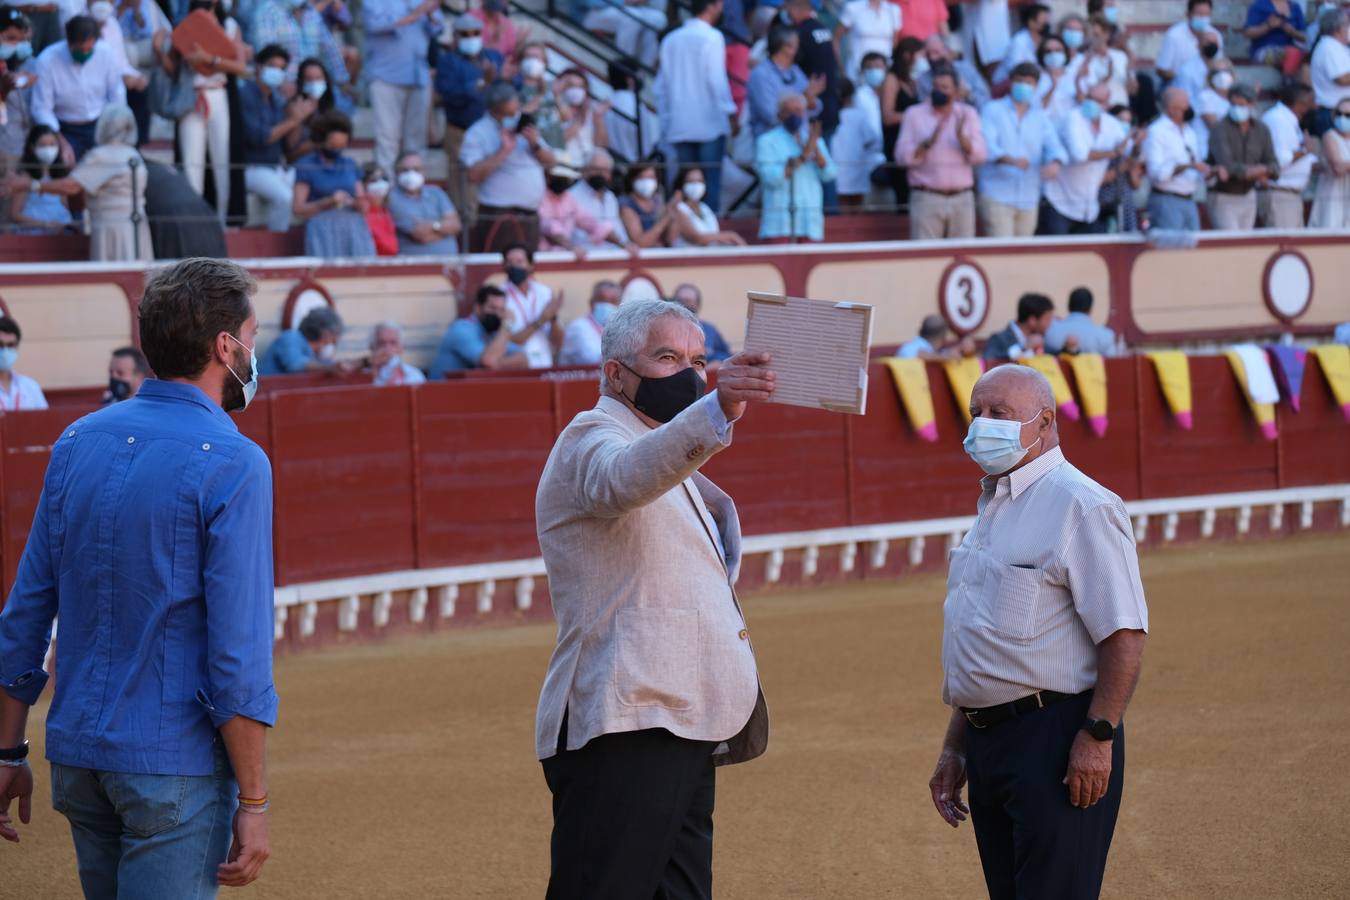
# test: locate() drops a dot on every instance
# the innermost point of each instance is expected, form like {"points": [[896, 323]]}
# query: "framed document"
{"points": [[819, 348]]}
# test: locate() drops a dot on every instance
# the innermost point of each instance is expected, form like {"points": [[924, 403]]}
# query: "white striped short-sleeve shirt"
{"points": [[1048, 572]]}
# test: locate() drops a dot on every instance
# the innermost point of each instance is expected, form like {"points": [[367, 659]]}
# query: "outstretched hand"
{"points": [[745, 376]]}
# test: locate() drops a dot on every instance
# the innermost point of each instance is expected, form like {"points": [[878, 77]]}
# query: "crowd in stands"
{"points": [[969, 121]]}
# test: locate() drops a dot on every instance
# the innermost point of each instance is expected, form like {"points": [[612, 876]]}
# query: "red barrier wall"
{"points": [[382, 479]]}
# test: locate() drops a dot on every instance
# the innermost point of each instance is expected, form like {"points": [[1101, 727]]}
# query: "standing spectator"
{"points": [[581, 341], [479, 341], [1024, 44], [268, 122], [635, 24], [301, 30], [633, 128], [693, 222], [314, 83], [532, 308], [816, 57], [715, 346], [1330, 67], [309, 347], [533, 82], [386, 357], [499, 32], [76, 80], [1244, 157], [398, 34], [867, 91], [1092, 141], [1282, 201], [793, 165], [16, 53], [1102, 64], [17, 392], [1182, 41], [645, 217], [937, 55], [779, 75], [504, 158], [34, 212], [693, 95], [1073, 32], [1172, 158], [581, 120], [986, 32], [1331, 205], [869, 26], [44, 18], [1212, 104], [1035, 312], [560, 217], [464, 76], [1276, 28], [922, 19], [1076, 332], [941, 142], [594, 198], [1055, 91], [127, 371], [899, 92], [424, 216], [1024, 150], [1124, 176], [856, 149], [328, 194], [375, 181], [139, 21]]}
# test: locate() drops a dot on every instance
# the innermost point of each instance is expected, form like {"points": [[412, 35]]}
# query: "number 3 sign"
{"points": [[963, 296]]}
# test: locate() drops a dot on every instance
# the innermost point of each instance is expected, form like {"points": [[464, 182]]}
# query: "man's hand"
{"points": [[16, 783], [1089, 772], [248, 852], [531, 135], [746, 376], [1050, 171], [1019, 162], [949, 777]]}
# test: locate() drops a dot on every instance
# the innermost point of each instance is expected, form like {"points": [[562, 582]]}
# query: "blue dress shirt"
{"points": [[397, 55], [462, 348], [714, 345], [459, 81], [153, 541], [1033, 137], [290, 352], [260, 115]]}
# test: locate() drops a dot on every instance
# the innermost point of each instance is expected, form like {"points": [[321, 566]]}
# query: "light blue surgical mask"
{"points": [[8, 356], [1091, 109], [1239, 114], [996, 444], [470, 46], [1073, 39], [1200, 23], [1022, 92], [272, 76], [1055, 60], [8, 50], [603, 312], [1343, 124], [874, 77], [250, 386], [1111, 14], [510, 122]]}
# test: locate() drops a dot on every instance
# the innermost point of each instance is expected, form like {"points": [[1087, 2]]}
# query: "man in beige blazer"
{"points": [[653, 680]]}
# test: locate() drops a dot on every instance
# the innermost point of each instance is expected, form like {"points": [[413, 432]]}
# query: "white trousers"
{"points": [[627, 27], [275, 186], [197, 134], [400, 122]]}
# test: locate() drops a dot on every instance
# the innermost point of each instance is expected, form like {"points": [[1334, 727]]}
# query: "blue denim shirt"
{"points": [[260, 115], [153, 542], [462, 348]]}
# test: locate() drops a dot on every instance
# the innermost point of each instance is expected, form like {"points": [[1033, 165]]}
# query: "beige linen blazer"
{"points": [[650, 633]]}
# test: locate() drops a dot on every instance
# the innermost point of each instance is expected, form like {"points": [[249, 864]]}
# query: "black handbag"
{"points": [[171, 96]]}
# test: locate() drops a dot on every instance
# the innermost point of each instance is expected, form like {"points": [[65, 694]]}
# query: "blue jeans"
{"points": [[1173, 213], [147, 837], [705, 155]]}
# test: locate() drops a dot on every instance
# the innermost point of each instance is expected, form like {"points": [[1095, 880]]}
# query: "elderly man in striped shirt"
{"points": [[1044, 632]]}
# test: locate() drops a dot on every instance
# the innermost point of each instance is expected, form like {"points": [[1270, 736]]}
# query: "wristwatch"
{"points": [[436, 227], [10, 754], [1099, 729]]}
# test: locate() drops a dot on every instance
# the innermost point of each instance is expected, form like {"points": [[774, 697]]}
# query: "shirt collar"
{"points": [[177, 392], [1017, 332], [1025, 477]]}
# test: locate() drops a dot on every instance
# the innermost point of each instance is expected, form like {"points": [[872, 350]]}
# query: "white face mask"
{"points": [[250, 386], [574, 96], [47, 155], [695, 190], [378, 190], [327, 352], [1223, 80], [411, 180], [101, 11], [996, 444], [532, 67], [644, 187], [921, 66]]}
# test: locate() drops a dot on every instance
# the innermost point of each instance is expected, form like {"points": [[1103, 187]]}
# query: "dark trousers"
{"points": [[80, 136], [632, 818], [1053, 222], [1033, 844]]}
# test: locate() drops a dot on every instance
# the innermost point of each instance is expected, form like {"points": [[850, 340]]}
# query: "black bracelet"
{"points": [[12, 753]]}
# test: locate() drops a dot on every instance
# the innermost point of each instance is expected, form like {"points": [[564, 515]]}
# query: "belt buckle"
{"points": [[1040, 703], [970, 717]]}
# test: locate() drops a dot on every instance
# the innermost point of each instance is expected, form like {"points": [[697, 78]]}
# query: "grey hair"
{"points": [[498, 93], [603, 284], [386, 325], [627, 332], [597, 156], [698, 296], [1331, 21], [790, 97], [116, 125], [319, 320]]}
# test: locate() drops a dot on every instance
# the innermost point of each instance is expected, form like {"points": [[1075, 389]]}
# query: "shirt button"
{"points": [[72, 434], [206, 446], [744, 635], [694, 453], [131, 440]]}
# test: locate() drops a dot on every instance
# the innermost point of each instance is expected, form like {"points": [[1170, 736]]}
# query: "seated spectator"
{"points": [[636, 25], [1330, 67], [794, 166], [34, 212], [1024, 151], [581, 340], [505, 158], [856, 146], [480, 341], [386, 357], [16, 50], [531, 308], [1342, 334], [1172, 157], [694, 224], [1076, 332], [1025, 42], [633, 128], [716, 346], [424, 216], [269, 120], [127, 371], [309, 347], [1181, 43], [1331, 204], [941, 142], [1035, 312], [594, 197], [971, 84], [869, 26], [561, 218], [77, 79], [1244, 158], [778, 76], [329, 197], [299, 28], [313, 82], [581, 120], [646, 218], [928, 344], [499, 32], [17, 392], [1092, 142], [465, 74], [378, 220], [1276, 28]]}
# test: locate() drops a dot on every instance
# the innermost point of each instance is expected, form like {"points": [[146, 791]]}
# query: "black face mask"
{"points": [[663, 399], [1209, 51], [559, 185], [940, 99], [517, 275], [491, 322], [1188, 115], [118, 389], [597, 183]]}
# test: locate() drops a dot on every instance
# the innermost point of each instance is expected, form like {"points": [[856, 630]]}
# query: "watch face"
{"points": [[1102, 730]]}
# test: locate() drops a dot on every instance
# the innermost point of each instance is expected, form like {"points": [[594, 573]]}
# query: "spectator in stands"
{"points": [[1093, 142], [779, 75], [581, 120], [1330, 67], [1035, 312], [1076, 332], [533, 83], [1331, 205], [716, 347], [531, 308], [17, 392], [985, 32], [1175, 168], [300, 29], [127, 371], [480, 341], [375, 181], [932, 336], [1182, 41], [1107, 9], [635, 24], [633, 128], [922, 19], [594, 198], [386, 357], [1342, 334], [398, 35], [329, 197], [269, 120], [182, 224], [139, 21], [1124, 176], [693, 222], [1073, 32], [867, 90], [44, 24], [870, 26], [1055, 89], [1244, 157], [817, 58], [1276, 28], [465, 76], [309, 347], [77, 79], [941, 142], [1101, 63], [645, 216], [313, 82], [424, 217], [1024, 150], [37, 213], [972, 85], [793, 165], [856, 148], [499, 32], [1282, 201], [1024, 44], [899, 92], [693, 96], [505, 158], [581, 341], [16, 54], [1212, 104], [560, 217]]}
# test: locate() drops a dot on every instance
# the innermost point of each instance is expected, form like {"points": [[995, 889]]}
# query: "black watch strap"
{"points": [[9, 754], [1099, 729]]}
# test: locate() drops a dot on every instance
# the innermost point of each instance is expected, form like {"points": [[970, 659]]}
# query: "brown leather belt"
{"points": [[955, 193]]}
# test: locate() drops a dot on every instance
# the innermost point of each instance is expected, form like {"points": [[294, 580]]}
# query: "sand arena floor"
{"points": [[405, 769]]}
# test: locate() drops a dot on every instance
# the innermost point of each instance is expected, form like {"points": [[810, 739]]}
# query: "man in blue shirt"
{"points": [[153, 542], [268, 120], [1076, 332], [398, 33], [1024, 150], [463, 75], [480, 341], [715, 347], [309, 347]]}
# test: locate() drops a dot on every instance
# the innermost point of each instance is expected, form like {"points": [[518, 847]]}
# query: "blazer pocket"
{"points": [[657, 662], [1014, 593]]}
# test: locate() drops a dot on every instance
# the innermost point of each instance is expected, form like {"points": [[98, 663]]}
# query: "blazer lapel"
{"points": [[709, 526], [722, 509]]}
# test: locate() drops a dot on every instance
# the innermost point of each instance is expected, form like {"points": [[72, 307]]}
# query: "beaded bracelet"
{"points": [[254, 808]]}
